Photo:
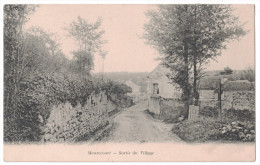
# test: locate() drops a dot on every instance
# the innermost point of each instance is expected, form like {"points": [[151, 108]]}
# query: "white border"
{"points": [[257, 43]]}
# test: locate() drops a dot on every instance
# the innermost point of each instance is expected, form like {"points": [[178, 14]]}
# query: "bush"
{"points": [[238, 131], [240, 115], [208, 112], [209, 129], [201, 130]]}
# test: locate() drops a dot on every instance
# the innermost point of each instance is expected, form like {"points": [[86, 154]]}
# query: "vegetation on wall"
{"points": [[37, 75]]}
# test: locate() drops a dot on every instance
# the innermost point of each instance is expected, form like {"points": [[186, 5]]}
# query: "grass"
{"points": [[206, 129], [201, 130]]}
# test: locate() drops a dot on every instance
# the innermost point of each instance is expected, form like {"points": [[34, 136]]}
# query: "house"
{"points": [[135, 90], [160, 85], [163, 95]]}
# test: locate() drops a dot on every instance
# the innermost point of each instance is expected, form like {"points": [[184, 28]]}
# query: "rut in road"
{"points": [[134, 125]]}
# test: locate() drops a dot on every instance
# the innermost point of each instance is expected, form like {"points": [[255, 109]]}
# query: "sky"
{"points": [[123, 26]]}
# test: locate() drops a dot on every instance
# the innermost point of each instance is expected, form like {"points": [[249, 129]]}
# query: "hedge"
{"points": [[39, 93]]}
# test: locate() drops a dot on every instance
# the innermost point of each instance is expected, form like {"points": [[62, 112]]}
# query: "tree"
{"points": [[15, 17], [188, 36], [249, 74], [227, 71], [41, 54], [84, 62], [89, 38]]}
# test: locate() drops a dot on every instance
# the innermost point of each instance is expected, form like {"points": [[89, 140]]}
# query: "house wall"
{"points": [[166, 89], [164, 104], [68, 123]]}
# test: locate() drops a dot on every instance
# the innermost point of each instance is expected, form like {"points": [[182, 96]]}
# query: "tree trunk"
{"points": [[195, 75], [186, 91], [195, 72]]}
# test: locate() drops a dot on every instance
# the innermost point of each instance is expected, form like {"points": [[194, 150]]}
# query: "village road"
{"points": [[134, 125]]}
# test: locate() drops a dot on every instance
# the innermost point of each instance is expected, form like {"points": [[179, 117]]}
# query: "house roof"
{"points": [[160, 69], [209, 82], [212, 82], [238, 85], [134, 86]]}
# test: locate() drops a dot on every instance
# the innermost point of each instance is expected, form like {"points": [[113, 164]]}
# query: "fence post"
{"points": [[222, 81], [219, 100]]}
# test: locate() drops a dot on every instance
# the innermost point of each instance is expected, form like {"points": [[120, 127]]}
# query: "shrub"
{"points": [[200, 130], [240, 115], [238, 131], [208, 112], [208, 129]]}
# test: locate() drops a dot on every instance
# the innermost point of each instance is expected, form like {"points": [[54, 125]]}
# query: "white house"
{"points": [[160, 87]]}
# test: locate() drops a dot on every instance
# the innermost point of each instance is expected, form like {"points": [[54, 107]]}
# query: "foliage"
{"points": [[37, 75], [249, 74], [116, 91], [42, 53], [188, 36], [15, 17], [39, 93], [227, 71], [83, 62], [209, 112], [201, 130], [209, 129], [238, 131], [90, 41], [240, 115]]}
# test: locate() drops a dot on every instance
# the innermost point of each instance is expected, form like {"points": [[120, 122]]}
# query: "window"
{"points": [[155, 88]]}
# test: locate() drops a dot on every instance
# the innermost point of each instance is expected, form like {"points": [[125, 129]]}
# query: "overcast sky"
{"points": [[123, 25]]}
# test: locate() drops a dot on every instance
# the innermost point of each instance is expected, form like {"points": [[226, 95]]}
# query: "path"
{"points": [[134, 125]]}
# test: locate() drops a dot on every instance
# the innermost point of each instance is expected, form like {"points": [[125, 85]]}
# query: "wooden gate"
{"points": [[193, 112]]}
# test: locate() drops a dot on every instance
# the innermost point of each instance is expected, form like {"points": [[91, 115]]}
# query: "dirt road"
{"points": [[134, 125]]}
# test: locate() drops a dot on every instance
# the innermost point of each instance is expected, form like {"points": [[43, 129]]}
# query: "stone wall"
{"points": [[154, 104], [68, 123], [238, 100], [166, 109], [171, 110]]}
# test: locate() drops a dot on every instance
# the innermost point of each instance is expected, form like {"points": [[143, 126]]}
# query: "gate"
{"points": [[193, 112]]}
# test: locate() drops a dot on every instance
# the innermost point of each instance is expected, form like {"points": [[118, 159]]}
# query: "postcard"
{"points": [[129, 82]]}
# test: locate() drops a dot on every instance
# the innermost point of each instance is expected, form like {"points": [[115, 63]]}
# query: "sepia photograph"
{"points": [[129, 82]]}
